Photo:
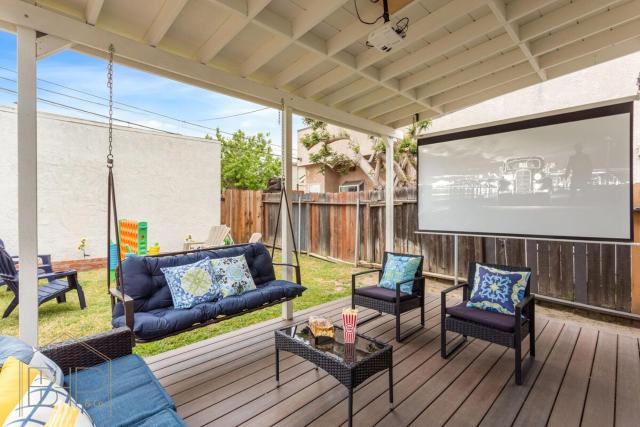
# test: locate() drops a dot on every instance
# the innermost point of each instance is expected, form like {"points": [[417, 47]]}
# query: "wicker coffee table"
{"points": [[351, 364]]}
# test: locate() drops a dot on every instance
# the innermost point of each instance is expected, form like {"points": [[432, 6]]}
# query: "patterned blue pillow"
{"points": [[191, 284], [399, 268], [498, 291], [232, 275]]}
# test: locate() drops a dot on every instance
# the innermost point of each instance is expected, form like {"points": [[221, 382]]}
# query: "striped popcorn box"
{"points": [[349, 322]]}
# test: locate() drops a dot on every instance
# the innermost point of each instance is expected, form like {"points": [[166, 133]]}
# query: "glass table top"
{"points": [[335, 347]]}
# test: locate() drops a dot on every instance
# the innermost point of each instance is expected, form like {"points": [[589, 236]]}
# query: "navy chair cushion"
{"points": [[502, 322], [146, 284], [124, 397], [162, 321], [383, 294]]}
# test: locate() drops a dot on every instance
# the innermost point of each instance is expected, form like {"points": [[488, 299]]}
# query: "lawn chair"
{"points": [[44, 266], [217, 236], [55, 288]]}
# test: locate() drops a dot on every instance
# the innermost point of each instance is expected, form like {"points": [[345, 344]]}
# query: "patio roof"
{"points": [[312, 54]]}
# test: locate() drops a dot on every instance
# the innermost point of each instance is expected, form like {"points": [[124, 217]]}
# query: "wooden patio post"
{"points": [[27, 186], [388, 195], [287, 165]]}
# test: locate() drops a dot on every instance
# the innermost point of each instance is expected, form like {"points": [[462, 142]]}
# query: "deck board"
{"points": [[580, 376]]}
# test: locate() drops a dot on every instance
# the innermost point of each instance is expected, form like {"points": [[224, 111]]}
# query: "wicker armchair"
{"points": [[91, 350], [391, 301], [493, 327]]}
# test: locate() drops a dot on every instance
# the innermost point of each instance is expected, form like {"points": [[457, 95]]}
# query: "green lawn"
{"points": [[325, 282]]}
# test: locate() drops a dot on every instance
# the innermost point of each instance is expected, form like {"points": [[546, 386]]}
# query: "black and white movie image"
{"points": [[568, 179]]}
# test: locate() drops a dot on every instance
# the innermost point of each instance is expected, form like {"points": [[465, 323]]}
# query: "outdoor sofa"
{"points": [[148, 308], [114, 386]]}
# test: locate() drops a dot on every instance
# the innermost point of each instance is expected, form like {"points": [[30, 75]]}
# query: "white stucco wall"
{"points": [[170, 181], [602, 82]]}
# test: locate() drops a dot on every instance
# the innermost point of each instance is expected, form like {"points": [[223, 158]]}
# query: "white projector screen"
{"points": [[565, 176]]}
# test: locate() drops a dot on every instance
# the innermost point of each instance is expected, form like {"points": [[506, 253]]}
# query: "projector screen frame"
{"points": [[625, 106]]}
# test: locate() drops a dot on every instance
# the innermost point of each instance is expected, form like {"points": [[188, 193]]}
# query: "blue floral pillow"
{"points": [[399, 268], [498, 291], [232, 275], [191, 284]]}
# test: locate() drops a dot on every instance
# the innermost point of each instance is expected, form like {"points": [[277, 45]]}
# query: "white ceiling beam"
{"points": [[520, 8], [457, 61], [427, 25], [406, 121], [92, 11], [164, 19], [386, 107], [591, 44], [50, 45], [301, 25], [230, 29], [473, 31], [598, 57], [280, 27], [355, 31], [471, 73], [561, 16], [325, 81], [399, 114], [349, 91], [482, 84], [368, 100], [587, 27], [145, 57], [303, 64], [493, 92], [499, 9], [263, 54]]}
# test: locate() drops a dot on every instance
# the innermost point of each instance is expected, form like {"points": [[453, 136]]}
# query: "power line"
{"points": [[130, 123], [185, 122], [234, 115]]}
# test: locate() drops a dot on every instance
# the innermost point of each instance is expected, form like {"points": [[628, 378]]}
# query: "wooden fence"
{"points": [[350, 227]]}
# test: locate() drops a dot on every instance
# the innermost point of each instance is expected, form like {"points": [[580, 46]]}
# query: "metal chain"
{"points": [[110, 86]]}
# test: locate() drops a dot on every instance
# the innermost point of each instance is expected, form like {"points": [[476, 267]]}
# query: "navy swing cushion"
{"points": [[155, 315]]}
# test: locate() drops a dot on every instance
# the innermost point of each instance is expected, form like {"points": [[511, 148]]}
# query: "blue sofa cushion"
{"points": [[130, 394], [146, 284], [162, 321], [164, 418], [266, 293]]}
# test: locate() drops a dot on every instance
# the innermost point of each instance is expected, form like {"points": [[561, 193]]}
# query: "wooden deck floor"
{"points": [[581, 376]]}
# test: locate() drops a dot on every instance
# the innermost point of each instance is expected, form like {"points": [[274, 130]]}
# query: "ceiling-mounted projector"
{"points": [[386, 37]]}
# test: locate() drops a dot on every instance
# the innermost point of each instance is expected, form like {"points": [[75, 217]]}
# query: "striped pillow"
{"points": [[37, 406]]}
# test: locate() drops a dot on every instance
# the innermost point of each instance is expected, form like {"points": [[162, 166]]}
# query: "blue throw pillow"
{"points": [[232, 275], [496, 290], [191, 284], [397, 269]]}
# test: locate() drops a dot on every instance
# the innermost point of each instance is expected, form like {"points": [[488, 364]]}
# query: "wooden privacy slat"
{"points": [[594, 274]]}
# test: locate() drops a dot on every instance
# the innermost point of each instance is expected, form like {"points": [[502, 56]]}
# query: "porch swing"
{"points": [[141, 299]]}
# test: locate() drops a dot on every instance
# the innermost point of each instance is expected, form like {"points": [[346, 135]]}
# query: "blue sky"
{"points": [[135, 88]]}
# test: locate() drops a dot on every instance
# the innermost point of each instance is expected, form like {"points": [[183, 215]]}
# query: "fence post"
{"points": [[356, 249]]}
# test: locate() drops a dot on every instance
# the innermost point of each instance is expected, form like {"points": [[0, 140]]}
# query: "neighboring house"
{"points": [[313, 180]]}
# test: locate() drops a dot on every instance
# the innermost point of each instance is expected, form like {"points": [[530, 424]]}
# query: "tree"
{"points": [[405, 153], [247, 161]]}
